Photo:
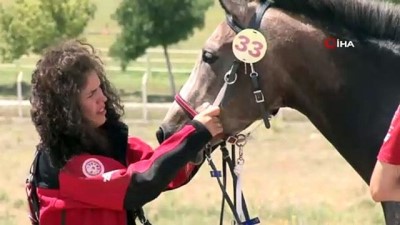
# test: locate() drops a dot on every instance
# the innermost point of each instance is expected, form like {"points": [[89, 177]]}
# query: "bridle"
{"points": [[238, 205], [231, 76]]}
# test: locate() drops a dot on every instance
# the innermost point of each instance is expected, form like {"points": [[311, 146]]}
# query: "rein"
{"points": [[229, 161]]}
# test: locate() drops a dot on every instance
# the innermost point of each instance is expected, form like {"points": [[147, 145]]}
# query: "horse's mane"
{"points": [[368, 18]]}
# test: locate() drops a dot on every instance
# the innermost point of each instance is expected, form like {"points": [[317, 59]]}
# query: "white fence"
{"points": [[144, 105], [151, 56], [285, 114], [147, 70]]}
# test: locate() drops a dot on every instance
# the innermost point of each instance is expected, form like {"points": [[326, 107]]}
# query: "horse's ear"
{"points": [[236, 8]]}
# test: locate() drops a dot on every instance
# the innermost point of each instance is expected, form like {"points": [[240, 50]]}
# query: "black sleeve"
{"points": [[162, 167]]}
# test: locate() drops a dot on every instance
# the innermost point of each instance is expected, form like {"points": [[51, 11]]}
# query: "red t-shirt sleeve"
{"points": [[390, 149]]}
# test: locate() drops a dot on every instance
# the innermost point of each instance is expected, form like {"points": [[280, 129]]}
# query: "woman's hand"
{"points": [[209, 118]]}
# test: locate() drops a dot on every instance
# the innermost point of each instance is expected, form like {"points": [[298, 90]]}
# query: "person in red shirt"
{"points": [[87, 170], [385, 179]]}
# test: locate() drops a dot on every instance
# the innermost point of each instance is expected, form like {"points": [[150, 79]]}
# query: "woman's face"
{"points": [[92, 100]]}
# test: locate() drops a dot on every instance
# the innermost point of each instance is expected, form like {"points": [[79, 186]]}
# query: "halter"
{"points": [[231, 76], [238, 205]]}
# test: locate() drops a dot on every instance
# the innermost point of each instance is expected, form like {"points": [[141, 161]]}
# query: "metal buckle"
{"points": [[259, 96], [231, 140], [239, 139]]}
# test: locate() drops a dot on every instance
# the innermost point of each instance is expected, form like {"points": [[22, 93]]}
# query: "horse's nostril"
{"points": [[164, 132], [160, 135]]}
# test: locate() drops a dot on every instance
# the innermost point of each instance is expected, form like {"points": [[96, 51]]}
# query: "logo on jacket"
{"points": [[92, 167], [107, 176]]}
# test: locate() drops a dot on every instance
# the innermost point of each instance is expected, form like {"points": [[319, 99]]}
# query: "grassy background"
{"points": [[127, 82], [292, 175]]}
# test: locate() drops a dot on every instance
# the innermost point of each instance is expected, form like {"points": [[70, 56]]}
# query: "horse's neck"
{"points": [[353, 110]]}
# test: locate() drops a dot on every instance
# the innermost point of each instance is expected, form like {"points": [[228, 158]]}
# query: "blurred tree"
{"points": [[32, 25], [149, 23]]}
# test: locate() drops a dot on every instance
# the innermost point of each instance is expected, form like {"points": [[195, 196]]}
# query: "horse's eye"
{"points": [[209, 57]]}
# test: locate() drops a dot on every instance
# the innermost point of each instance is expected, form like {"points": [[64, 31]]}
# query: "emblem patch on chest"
{"points": [[92, 167]]}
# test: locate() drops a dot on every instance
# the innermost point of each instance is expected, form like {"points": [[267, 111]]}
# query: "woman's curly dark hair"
{"points": [[56, 83]]}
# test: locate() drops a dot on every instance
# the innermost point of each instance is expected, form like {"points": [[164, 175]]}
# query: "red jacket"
{"points": [[98, 190]]}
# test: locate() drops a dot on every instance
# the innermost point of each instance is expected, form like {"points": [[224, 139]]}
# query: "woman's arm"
{"points": [[205, 121], [385, 179], [385, 182], [83, 179], [139, 150]]}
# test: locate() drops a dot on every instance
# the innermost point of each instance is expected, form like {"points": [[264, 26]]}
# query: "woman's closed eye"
{"points": [[91, 93]]}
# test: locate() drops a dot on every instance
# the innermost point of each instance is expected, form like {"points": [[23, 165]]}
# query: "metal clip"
{"points": [[241, 142], [229, 80], [240, 160], [253, 74]]}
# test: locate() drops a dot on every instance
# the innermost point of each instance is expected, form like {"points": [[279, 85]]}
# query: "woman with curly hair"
{"points": [[87, 170]]}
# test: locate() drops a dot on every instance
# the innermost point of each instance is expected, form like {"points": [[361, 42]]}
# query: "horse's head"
{"points": [[349, 94], [240, 109]]}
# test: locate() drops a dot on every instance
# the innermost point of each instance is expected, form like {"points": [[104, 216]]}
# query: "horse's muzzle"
{"points": [[163, 132], [160, 135]]}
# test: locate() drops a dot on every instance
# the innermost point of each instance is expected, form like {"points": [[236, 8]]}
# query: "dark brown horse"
{"points": [[349, 94]]}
